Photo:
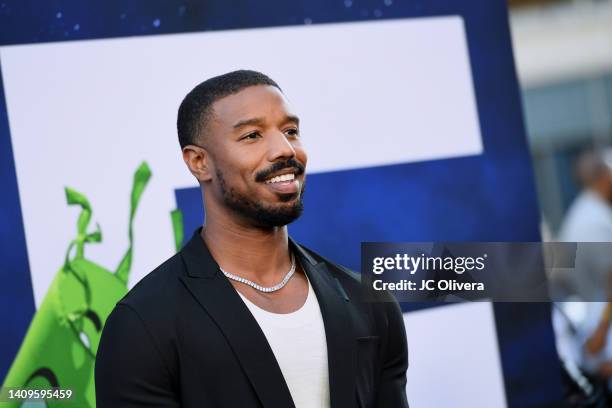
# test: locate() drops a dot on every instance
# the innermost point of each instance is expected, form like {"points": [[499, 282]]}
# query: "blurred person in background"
{"points": [[583, 322], [589, 219]]}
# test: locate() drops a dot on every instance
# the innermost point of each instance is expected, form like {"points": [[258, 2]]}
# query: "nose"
{"points": [[280, 148]]}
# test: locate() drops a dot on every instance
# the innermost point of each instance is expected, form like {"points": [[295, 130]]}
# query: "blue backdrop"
{"points": [[490, 197]]}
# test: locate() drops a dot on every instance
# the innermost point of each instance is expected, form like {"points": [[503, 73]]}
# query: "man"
{"points": [[243, 316], [582, 328], [589, 219]]}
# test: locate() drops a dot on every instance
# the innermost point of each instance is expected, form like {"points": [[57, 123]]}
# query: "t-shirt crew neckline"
{"points": [[292, 319]]}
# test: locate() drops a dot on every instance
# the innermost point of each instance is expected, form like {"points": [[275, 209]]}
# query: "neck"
{"points": [[255, 253]]}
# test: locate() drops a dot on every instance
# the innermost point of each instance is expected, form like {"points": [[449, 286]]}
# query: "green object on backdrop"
{"points": [[178, 228], [60, 345]]}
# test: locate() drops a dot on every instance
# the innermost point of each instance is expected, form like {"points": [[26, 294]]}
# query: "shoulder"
{"points": [[138, 335], [149, 310], [157, 288]]}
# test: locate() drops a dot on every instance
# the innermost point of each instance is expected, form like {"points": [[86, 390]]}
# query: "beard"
{"points": [[264, 216]]}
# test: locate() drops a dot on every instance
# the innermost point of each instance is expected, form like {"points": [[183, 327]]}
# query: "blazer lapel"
{"points": [[339, 332], [218, 297]]}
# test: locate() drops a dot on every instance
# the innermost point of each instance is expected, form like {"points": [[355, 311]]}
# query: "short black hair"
{"points": [[196, 107], [591, 165]]}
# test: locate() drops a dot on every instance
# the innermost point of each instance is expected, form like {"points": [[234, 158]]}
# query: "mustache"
{"points": [[262, 175]]}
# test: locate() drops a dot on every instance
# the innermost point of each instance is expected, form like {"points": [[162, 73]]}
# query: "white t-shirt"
{"points": [[589, 219], [299, 345]]}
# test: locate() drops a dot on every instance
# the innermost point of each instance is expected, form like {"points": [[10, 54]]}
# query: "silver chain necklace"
{"points": [[260, 288]]}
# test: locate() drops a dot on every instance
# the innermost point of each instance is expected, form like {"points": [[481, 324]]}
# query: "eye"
{"points": [[250, 136], [292, 132]]}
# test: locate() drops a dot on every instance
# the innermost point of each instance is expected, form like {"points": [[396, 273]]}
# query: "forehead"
{"points": [[260, 101]]}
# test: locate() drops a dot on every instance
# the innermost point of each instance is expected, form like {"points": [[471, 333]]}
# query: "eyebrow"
{"points": [[259, 121]]}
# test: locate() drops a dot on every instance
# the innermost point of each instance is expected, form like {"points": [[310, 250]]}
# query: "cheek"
{"points": [[301, 155], [232, 177], [238, 166]]}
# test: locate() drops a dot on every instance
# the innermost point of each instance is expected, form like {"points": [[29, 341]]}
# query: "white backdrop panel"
{"points": [[454, 357], [84, 114]]}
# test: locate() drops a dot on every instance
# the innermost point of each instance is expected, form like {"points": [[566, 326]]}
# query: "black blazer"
{"points": [[182, 337]]}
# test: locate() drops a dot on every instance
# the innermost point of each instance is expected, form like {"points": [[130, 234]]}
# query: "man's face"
{"points": [[259, 162]]}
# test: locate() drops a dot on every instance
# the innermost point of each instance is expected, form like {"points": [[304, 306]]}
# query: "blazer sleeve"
{"points": [[392, 386], [130, 371]]}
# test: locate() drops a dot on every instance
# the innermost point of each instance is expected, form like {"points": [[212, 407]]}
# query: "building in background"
{"points": [[563, 53]]}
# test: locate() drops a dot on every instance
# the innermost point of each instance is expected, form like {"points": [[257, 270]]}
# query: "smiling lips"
{"points": [[283, 184]]}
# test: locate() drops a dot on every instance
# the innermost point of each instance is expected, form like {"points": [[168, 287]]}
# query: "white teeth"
{"points": [[278, 179]]}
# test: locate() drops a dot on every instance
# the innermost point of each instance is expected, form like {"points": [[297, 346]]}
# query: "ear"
{"points": [[199, 162]]}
